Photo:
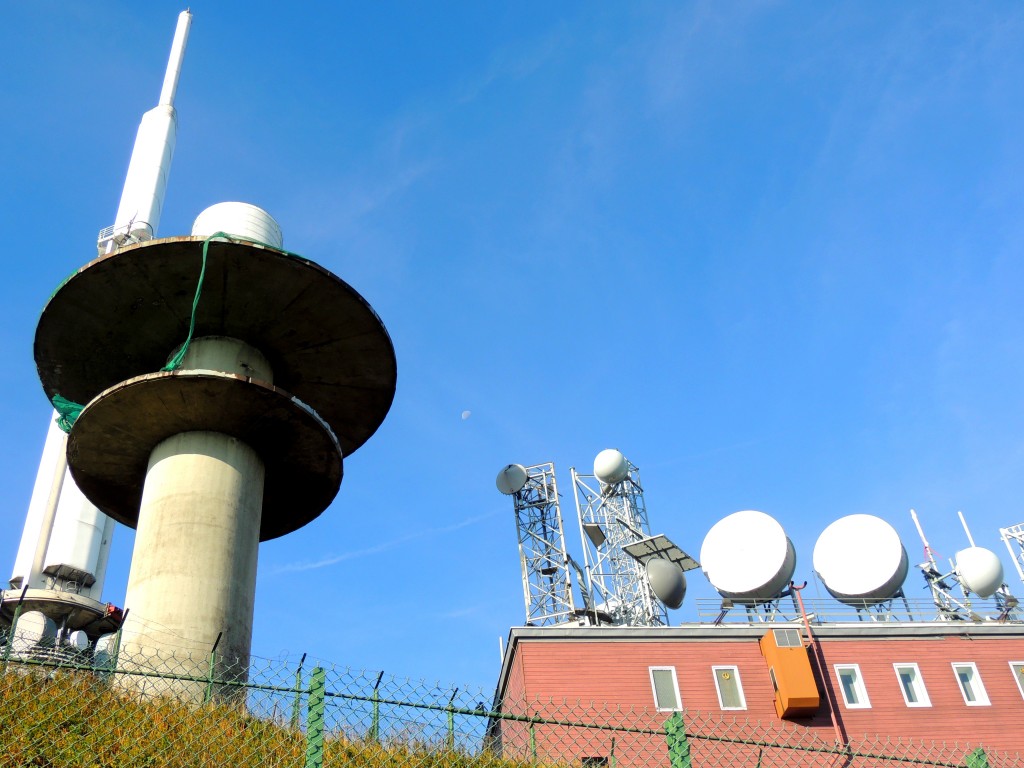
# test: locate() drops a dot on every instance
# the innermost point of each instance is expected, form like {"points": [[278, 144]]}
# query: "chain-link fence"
{"points": [[62, 707]]}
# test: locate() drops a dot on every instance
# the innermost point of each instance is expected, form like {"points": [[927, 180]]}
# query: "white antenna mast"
{"points": [[142, 199]]}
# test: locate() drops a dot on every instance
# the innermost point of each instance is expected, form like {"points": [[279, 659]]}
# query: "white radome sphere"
{"points": [[241, 220], [980, 570], [610, 466]]}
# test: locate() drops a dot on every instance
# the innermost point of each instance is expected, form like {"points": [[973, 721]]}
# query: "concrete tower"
{"points": [[278, 370]]}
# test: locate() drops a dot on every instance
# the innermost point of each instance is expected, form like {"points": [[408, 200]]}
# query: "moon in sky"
{"points": [[466, 415]]}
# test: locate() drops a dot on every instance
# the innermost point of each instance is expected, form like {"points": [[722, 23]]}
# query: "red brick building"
{"points": [[876, 682]]}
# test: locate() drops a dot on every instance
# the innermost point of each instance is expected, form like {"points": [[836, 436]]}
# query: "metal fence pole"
{"points": [[14, 626], [678, 744], [297, 704], [315, 718], [117, 640], [533, 743], [208, 696], [375, 721], [451, 721]]}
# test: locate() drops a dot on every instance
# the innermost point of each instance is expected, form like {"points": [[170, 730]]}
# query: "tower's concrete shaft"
{"points": [[193, 574]]}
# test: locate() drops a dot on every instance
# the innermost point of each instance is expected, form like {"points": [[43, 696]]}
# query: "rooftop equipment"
{"points": [[748, 558], [975, 570], [861, 560]]}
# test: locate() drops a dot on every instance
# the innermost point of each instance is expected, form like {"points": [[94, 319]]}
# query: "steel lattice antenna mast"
{"points": [[66, 539], [546, 567], [612, 515]]}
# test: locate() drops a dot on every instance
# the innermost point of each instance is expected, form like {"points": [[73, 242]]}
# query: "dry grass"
{"points": [[74, 720]]}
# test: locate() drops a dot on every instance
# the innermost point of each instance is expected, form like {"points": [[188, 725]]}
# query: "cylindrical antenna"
{"points": [[920, 532], [177, 55], [966, 529]]}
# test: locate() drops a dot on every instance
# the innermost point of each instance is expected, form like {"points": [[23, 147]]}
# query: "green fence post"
{"points": [[678, 744], [977, 759], [533, 743], [208, 696], [115, 656], [315, 718], [375, 721], [611, 755], [297, 704], [14, 626], [451, 721]]}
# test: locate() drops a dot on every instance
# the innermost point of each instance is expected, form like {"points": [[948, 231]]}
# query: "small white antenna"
{"points": [[927, 549], [967, 530]]}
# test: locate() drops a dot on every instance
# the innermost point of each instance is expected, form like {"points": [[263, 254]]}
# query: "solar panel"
{"points": [[660, 546]]}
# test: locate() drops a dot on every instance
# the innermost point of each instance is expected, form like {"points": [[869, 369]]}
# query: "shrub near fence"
{"points": [[59, 709]]}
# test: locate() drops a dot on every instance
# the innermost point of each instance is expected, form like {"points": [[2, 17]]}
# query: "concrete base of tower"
{"points": [[193, 573]]}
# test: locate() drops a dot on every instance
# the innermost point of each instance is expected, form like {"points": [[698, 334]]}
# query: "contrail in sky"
{"points": [[383, 546]]}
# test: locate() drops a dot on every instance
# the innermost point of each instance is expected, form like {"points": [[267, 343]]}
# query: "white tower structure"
{"points": [[547, 575], [1013, 537], [613, 516], [66, 540]]}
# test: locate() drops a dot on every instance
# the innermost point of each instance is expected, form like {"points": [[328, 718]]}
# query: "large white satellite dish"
{"points": [[748, 558], [861, 559]]}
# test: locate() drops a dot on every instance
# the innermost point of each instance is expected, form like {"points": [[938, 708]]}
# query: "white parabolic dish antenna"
{"points": [[748, 557], [667, 581], [861, 559], [979, 570], [610, 466], [34, 628], [511, 479]]}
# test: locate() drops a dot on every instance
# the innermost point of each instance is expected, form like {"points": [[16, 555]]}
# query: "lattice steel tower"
{"points": [[612, 515], [546, 567]]}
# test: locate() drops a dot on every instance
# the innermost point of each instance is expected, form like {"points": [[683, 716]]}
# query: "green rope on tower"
{"points": [[175, 362], [67, 412]]}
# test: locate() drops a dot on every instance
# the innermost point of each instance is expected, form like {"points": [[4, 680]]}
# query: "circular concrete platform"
{"points": [[122, 316], [111, 442]]}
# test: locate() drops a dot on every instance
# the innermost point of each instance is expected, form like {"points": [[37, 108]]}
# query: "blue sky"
{"points": [[770, 251]]}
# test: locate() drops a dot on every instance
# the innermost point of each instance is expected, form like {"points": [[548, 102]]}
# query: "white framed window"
{"points": [[912, 685], [971, 687], [1017, 667], [851, 683], [665, 688], [730, 689]]}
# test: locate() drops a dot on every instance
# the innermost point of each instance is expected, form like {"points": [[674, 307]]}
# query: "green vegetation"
{"points": [[75, 720]]}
